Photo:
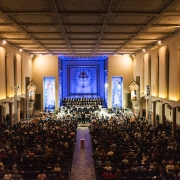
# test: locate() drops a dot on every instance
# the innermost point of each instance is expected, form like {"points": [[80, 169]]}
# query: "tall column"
{"points": [[173, 123], [10, 114], [163, 116], [25, 107], [141, 107], [1, 115], [147, 112], [18, 111], [154, 114]]}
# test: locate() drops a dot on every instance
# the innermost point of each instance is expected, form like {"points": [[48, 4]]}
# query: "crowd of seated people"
{"points": [[124, 149], [37, 150]]}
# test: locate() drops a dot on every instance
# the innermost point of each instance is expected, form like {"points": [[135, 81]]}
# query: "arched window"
{"points": [[6, 75], [167, 73], [149, 70], [143, 88], [15, 71], [157, 77]]}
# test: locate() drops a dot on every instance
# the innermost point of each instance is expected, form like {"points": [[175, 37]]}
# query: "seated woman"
{"points": [[108, 167], [41, 176], [57, 168]]}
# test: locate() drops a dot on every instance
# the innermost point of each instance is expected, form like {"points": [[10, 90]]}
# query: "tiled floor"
{"points": [[83, 165]]}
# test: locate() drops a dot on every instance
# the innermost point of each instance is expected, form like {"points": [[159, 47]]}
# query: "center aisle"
{"points": [[83, 164]]}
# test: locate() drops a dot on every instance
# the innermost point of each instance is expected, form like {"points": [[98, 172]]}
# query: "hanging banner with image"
{"points": [[49, 93], [117, 88]]}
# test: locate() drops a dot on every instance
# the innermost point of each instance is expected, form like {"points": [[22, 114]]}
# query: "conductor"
{"points": [[83, 117]]}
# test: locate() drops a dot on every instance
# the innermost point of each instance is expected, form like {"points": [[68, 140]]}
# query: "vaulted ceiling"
{"points": [[87, 27]]}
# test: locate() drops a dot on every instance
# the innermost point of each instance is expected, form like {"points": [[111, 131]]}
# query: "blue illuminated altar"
{"points": [[82, 78]]}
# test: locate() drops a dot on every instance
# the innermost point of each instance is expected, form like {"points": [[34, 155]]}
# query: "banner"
{"points": [[49, 93], [117, 88]]}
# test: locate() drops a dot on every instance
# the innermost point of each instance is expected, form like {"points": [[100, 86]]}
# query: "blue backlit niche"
{"points": [[49, 93], [83, 80], [117, 88]]}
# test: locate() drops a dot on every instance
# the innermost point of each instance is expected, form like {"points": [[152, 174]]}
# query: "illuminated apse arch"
{"points": [[81, 77]]}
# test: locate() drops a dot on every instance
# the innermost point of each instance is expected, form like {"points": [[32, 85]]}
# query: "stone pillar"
{"points": [[1, 115], [147, 110], [18, 110], [141, 107], [25, 108], [154, 114], [163, 116], [10, 114], [173, 123]]}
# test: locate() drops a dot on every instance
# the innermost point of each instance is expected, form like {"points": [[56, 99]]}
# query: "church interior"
{"points": [[91, 86]]}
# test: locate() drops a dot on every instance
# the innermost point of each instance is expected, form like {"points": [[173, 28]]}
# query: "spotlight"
{"points": [[159, 42], [144, 50], [20, 50], [4, 42], [32, 55]]}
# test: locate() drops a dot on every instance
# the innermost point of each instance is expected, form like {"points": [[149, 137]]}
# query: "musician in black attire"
{"points": [[83, 117]]}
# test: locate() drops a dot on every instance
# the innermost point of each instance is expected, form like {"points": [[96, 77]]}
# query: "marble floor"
{"points": [[83, 164]]}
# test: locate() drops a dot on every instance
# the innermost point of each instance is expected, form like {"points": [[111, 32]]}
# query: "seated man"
{"points": [[169, 167], [16, 176]]}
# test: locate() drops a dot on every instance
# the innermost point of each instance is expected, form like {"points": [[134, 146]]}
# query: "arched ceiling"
{"points": [[88, 27]]}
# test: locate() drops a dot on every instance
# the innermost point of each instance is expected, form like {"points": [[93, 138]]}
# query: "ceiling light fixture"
{"points": [[32, 55], [159, 42], [4, 42], [144, 50], [20, 50]]}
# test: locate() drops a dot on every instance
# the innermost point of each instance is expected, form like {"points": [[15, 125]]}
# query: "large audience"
{"points": [[37, 149], [126, 149]]}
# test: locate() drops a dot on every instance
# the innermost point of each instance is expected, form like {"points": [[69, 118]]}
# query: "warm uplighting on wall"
{"points": [[4, 42], [162, 96], [173, 98]]}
